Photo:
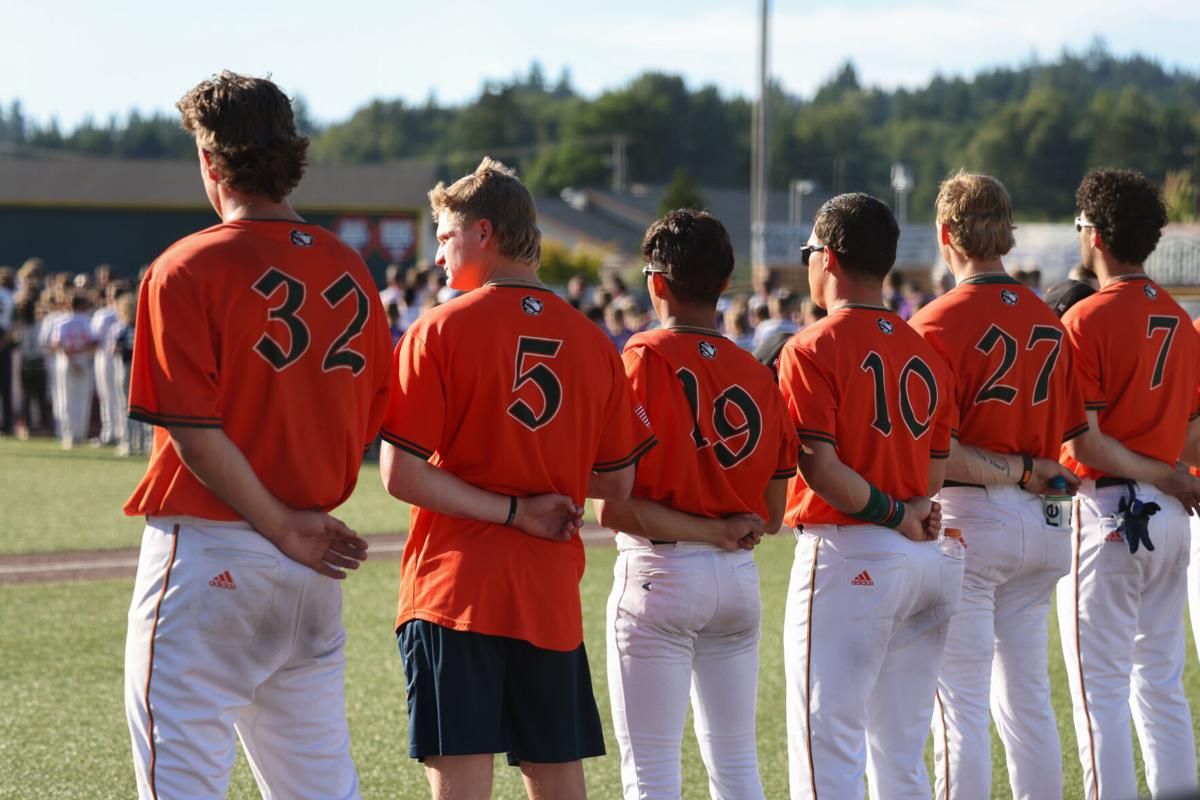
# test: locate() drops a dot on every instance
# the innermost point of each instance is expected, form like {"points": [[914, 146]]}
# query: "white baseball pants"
{"points": [[1193, 581], [866, 620], [225, 633], [684, 616], [1121, 620], [75, 386], [112, 404], [996, 652]]}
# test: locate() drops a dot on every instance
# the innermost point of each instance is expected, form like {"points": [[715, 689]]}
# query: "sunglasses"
{"points": [[807, 250], [1080, 224], [650, 270]]}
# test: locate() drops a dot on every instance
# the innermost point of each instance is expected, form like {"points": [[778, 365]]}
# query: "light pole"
{"points": [[902, 184], [799, 188]]}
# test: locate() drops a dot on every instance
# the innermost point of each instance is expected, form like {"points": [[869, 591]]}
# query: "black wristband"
{"points": [[512, 510], [1026, 469]]}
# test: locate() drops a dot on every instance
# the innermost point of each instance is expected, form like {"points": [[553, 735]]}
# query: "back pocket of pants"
{"points": [[239, 598], [876, 587]]}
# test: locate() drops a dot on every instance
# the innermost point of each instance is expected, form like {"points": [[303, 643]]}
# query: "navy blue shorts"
{"points": [[471, 693]]}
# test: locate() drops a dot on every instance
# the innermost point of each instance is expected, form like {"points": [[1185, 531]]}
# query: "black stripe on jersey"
{"points": [[1098, 406], [939, 455], [142, 414], [629, 460], [1078, 430], [406, 445], [815, 435], [783, 474]]}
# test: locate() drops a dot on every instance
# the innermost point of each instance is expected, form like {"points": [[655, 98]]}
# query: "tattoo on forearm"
{"points": [[998, 463]]}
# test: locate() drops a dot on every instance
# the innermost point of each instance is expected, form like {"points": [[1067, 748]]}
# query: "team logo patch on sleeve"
{"points": [[532, 306], [885, 326], [1009, 297], [707, 349], [302, 239], [1150, 291]]}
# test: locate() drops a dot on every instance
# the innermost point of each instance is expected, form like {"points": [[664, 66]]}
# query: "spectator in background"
{"points": [[36, 411], [104, 323], [1033, 280], [810, 312], [737, 326], [30, 276], [616, 327], [393, 290], [74, 346], [134, 436], [912, 299], [893, 294], [393, 318], [781, 306], [1084, 274], [763, 282], [7, 350], [577, 292]]}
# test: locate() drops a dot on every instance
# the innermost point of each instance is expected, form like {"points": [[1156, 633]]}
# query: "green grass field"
{"points": [[63, 735]]}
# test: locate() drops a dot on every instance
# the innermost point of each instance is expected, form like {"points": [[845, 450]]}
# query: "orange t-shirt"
{"points": [[1013, 384], [723, 432], [512, 390], [1138, 361], [862, 380], [269, 330]]}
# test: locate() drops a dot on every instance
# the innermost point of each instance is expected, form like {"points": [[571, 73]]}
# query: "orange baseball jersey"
{"points": [[512, 390], [864, 381], [1137, 357], [1014, 390], [723, 432], [270, 331]]}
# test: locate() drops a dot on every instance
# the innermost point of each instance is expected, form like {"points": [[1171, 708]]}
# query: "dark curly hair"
{"points": [[694, 248], [1127, 210], [247, 127], [861, 230]]}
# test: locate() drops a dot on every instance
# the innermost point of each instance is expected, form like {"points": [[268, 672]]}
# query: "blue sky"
{"points": [[71, 59]]}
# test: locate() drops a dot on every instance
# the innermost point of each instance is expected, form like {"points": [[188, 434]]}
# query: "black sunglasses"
{"points": [[807, 250]]}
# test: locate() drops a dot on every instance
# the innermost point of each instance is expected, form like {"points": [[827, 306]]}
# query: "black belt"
{"points": [[660, 541], [949, 484], [1104, 483]]}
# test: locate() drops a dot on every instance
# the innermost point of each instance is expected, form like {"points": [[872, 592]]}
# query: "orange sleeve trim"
{"points": [[629, 460], [407, 445], [142, 414], [1078, 430], [816, 435], [939, 455]]}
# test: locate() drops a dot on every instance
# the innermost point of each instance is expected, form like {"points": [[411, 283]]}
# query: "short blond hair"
{"points": [[493, 192], [978, 213]]}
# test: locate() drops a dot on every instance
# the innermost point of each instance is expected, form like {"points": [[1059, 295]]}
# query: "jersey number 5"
{"points": [[725, 428], [915, 367], [288, 312], [541, 376]]}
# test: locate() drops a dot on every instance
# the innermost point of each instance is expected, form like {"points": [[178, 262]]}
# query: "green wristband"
{"points": [[881, 509]]}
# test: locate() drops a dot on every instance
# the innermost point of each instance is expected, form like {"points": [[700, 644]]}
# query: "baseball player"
{"points": [[684, 609], [1121, 607], [261, 356], [509, 408], [74, 346], [104, 325], [871, 591], [1191, 455], [1016, 403]]}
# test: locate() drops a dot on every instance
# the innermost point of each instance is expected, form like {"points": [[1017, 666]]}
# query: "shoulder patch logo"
{"points": [[1150, 291], [1009, 297], [885, 326], [302, 239], [707, 349], [532, 306]]}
